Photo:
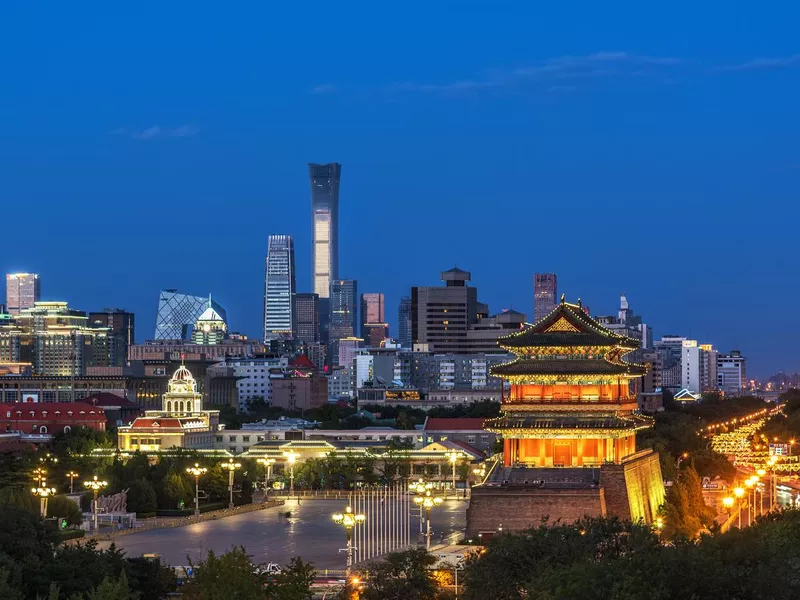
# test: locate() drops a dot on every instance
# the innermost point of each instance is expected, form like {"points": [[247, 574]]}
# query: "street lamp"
{"points": [[196, 470], [427, 502], [739, 493], [44, 493], [348, 520], [659, 525], [72, 475], [39, 475], [453, 457], [95, 485], [231, 468], [727, 502], [420, 487], [267, 462], [291, 458], [47, 458]]}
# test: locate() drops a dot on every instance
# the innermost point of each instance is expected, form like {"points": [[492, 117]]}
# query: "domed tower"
{"points": [[182, 397]]}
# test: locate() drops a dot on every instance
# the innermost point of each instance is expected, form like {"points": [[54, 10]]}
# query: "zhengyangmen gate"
{"points": [[569, 427]]}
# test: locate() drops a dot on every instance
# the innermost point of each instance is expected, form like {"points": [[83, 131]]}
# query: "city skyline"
{"points": [[678, 130]]}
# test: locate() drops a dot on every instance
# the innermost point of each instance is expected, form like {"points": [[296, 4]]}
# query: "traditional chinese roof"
{"points": [[549, 426], [568, 366], [567, 325]]}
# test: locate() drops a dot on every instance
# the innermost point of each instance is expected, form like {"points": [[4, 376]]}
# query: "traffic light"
{"points": [[62, 523]]}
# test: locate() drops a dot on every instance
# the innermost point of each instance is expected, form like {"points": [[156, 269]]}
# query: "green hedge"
{"points": [[186, 512], [146, 515], [69, 534]]}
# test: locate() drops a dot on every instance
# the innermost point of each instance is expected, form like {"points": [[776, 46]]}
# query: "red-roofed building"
{"points": [[51, 417], [467, 430], [119, 411]]}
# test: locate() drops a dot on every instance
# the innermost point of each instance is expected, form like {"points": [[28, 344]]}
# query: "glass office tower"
{"points": [[177, 314], [279, 288]]}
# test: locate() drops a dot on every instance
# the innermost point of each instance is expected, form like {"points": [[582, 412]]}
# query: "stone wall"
{"points": [[635, 489], [517, 508]]}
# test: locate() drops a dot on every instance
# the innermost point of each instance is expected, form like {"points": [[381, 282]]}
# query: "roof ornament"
{"points": [[562, 298], [579, 303]]}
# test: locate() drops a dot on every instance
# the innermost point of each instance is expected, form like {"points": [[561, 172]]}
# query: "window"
{"points": [[245, 438], [67, 429], [470, 439], [219, 438]]}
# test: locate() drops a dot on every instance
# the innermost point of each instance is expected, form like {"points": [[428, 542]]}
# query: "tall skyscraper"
{"points": [[22, 290], [544, 294], [177, 314], [324, 180], [404, 322], [343, 314], [374, 328], [306, 311], [121, 330], [279, 288]]}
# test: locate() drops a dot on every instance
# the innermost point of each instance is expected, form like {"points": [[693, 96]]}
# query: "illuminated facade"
{"points": [[181, 422], [279, 288], [545, 286], [22, 291], [343, 315], [324, 225], [210, 328], [569, 424], [177, 313], [374, 329]]}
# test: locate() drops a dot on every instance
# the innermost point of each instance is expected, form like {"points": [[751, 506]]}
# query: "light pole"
{"points": [[773, 482], [267, 462], [728, 502], [453, 457], [348, 520], [72, 475], [420, 487], [739, 493], [44, 493], [231, 468], [196, 470], [291, 458], [39, 475], [761, 473], [427, 502], [95, 485]]}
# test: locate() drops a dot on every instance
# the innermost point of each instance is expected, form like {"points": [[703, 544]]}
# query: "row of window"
{"points": [[44, 413]]}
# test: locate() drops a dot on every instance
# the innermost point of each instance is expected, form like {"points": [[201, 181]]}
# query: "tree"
{"points": [[685, 512], [175, 489], [151, 578], [142, 497], [402, 576], [112, 589], [293, 582], [229, 575], [63, 507]]}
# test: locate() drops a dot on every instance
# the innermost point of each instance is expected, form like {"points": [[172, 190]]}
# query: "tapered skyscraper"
{"points": [[279, 288], [325, 225], [22, 291]]}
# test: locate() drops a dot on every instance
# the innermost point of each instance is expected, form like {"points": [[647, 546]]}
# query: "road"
{"points": [[269, 536]]}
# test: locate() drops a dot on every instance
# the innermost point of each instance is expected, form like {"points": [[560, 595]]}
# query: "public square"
{"points": [[269, 536]]}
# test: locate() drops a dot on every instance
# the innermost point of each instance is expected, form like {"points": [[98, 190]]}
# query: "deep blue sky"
{"points": [[626, 146]]}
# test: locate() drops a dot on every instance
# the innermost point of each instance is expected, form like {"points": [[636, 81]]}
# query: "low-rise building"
{"points": [[51, 417], [465, 430], [299, 387]]}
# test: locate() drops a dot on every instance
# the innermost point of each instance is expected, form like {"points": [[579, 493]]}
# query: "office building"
{"points": [[306, 313], [22, 291], [253, 378], [347, 349], [374, 329], [731, 373], [177, 313], [631, 325], [544, 294], [210, 328], [670, 349], [234, 345], [343, 315], [450, 318], [121, 328], [404, 322], [324, 179], [279, 288], [55, 340], [299, 387]]}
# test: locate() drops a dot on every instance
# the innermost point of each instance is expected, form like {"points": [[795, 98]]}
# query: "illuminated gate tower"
{"points": [[569, 428]]}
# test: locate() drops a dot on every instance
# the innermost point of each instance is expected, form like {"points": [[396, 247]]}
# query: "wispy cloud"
{"points": [[598, 64], [323, 88], [765, 63], [156, 131]]}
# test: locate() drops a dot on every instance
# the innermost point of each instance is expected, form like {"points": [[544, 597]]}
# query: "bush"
{"points": [[69, 534], [63, 507], [142, 497]]}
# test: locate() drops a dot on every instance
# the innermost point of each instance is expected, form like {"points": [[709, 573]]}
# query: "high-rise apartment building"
{"points": [[177, 314], [374, 329], [279, 288], [306, 316], [450, 318], [544, 294], [121, 329], [731, 373], [404, 322], [22, 291], [343, 314]]}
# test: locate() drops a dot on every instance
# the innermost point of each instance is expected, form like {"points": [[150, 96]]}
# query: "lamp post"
{"points": [[44, 493], [267, 462], [761, 473], [72, 475], [196, 471], [39, 475], [420, 487], [291, 458], [231, 467], [728, 502], [682, 458], [348, 520], [95, 485], [453, 457], [427, 502], [773, 482], [739, 493], [659, 525]]}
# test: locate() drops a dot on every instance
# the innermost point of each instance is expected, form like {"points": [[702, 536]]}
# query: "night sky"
{"points": [[633, 148]]}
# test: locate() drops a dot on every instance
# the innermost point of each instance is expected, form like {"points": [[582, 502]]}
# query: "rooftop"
{"points": [[453, 424]]}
